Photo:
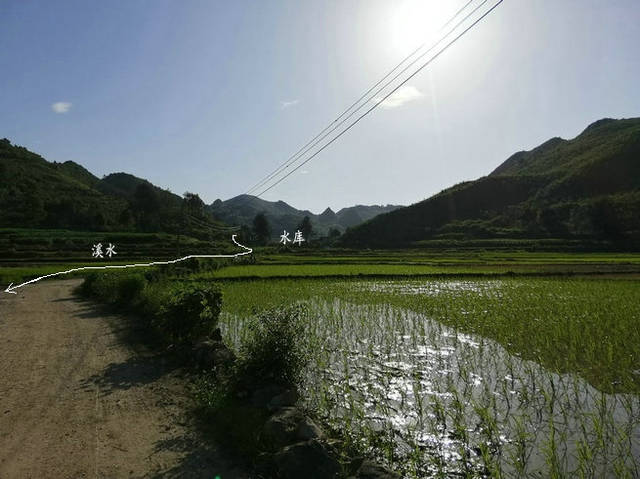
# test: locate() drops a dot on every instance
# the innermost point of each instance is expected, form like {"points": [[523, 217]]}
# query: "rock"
{"points": [[370, 470], [281, 429], [285, 399], [262, 397], [308, 460], [210, 354], [307, 429]]}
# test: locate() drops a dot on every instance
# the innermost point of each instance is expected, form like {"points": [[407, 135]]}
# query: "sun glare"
{"points": [[417, 21]]}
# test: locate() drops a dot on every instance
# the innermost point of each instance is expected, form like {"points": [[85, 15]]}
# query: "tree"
{"points": [[145, 198], [33, 207], [551, 221], [147, 205], [261, 228], [194, 205], [306, 228], [604, 218], [99, 222], [334, 233], [125, 218]]}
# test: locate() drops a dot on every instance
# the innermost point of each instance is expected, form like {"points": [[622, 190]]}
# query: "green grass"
{"points": [[417, 263], [17, 274], [310, 270], [398, 269], [443, 256]]}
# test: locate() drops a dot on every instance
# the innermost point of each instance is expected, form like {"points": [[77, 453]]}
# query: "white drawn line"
{"points": [[10, 288]]}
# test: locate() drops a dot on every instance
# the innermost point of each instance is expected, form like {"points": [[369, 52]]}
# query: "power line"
{"points": [[385, 97], [302, 151], [382, 88], [211, 226]]}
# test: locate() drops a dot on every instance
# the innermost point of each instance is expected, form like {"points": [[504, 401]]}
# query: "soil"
{"points": [[79, 396]]}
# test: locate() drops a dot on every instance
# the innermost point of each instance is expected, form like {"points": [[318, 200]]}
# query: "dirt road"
{"points": [[77, 401]]}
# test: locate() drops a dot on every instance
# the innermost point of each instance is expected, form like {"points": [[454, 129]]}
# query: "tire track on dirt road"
{"points": [[76, 400]]}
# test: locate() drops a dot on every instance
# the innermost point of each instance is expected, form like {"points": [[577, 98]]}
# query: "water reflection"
{"points": [[450, 403]]}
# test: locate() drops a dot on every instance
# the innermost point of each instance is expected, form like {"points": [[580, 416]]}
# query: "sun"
{"points": [[415, 22]]}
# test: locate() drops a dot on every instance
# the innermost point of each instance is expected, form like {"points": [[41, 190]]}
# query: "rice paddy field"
{"points": [[415, 264], [469, 377]]}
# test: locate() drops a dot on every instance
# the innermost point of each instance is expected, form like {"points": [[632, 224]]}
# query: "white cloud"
{"points": [[61, 106], [405, 94], [288, 103]]}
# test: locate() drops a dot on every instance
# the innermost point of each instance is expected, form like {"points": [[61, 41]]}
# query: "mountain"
{"points": [[584, 188], [125, 186], [328, 216], [241, 210], [35, 193]]}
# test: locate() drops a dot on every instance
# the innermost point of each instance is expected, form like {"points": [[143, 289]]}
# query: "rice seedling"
{"points": [[478, 378]]}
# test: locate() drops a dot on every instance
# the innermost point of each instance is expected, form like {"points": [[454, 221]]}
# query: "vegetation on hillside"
{"points": [[35, 193], [585, 188]]}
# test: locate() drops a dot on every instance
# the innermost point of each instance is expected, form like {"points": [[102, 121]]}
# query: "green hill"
{"points": [[35, 193], [587, 188]]}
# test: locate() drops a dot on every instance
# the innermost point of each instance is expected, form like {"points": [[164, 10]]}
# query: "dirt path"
{"points": [[77, 401]]}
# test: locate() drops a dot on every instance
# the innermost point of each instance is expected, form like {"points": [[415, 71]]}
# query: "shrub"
{"points": [[88, 285], [99, 285], [129, 288], [180, 313], [116, 288], [151, 300], [190, 312], [274, 349]]}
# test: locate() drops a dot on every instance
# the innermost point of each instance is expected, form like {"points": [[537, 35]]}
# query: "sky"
{"points": [[211, 96]]}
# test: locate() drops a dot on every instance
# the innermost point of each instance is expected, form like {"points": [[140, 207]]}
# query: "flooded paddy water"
{"points": [[432, 399]]}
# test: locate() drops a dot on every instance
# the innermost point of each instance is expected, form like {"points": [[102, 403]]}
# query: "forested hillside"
{"points": [[584, 188], [35, 193]]}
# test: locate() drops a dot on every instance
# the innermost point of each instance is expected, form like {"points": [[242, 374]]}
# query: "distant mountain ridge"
{"points": [[242, 209], [36, 193], [587, 187]]}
